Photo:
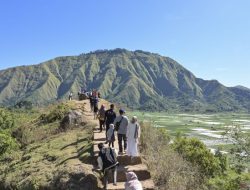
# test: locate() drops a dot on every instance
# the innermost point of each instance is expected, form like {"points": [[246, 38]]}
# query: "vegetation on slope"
{"points": [[187, 163], [37, 154], [137, 79]]}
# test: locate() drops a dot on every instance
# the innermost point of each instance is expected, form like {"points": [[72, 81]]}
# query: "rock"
{"points": [[73, 118], [77, 177]]}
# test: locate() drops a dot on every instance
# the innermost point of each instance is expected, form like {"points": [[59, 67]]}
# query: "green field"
{"points": [[209, 128]]}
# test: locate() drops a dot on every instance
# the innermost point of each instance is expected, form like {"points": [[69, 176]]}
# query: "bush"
{"points": [[7, 143], [240, 149], [168, 169], [55, 114], [229, 181], [196, 152], [24, 105], [6, 120]]}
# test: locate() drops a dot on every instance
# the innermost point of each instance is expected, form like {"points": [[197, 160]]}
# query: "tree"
{"points": [[196, 152], [240, 150]]}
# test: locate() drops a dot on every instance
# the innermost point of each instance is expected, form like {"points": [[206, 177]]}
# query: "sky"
{"points": [[211, 38]]}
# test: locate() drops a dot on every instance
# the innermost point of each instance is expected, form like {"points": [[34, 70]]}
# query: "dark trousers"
{"points": [[107, 128], [111, 143], [106, 176], [122, 137], [101, 123]]}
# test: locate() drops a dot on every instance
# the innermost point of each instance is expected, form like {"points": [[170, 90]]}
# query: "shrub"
{"points": [[6, 120], [55, 114], [7, 143], [240, 149], [24, 105], [196, 152], [168, 169]]}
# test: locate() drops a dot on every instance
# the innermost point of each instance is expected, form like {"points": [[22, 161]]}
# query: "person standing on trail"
{"points": [[95, 102], [133, 135], [107, 162], [94, 93], [70, 96], [111, 135], [110, 116], [101, 117], [121, 126], [91, 101], [132, 182]]}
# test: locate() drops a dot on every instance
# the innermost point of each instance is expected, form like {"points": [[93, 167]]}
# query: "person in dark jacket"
{"points": [[110, 116], [107, 162], [91, 101], [95, 102]]}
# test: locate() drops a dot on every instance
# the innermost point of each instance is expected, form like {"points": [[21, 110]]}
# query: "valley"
{"points": [[209, 128]]}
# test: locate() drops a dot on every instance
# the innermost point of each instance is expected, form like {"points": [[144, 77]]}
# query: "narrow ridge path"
{"points": [[137, 166]]}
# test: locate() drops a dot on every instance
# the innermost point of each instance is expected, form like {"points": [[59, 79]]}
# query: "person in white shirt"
{"points": [[133, 135]]}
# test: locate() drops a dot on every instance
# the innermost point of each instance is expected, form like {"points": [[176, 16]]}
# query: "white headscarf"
{"points": [[132, 182]]}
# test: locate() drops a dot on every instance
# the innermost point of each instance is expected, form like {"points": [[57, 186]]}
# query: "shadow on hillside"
{"points": [[75, 143], [82, 153]]}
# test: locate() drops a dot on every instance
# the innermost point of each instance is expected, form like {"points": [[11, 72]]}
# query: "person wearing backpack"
{"points": [[121, 125], [110, 116], [107, 162]]}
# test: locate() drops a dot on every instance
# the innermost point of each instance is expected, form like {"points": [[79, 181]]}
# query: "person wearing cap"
{"points": [[121, 126]]}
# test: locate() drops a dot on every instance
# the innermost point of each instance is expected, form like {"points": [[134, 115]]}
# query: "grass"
{"points": [[47, 155], [40, 160], [168, 169]]}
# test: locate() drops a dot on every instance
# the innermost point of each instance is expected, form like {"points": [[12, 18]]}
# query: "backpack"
{"points": [[109, 158], [117, 124]]}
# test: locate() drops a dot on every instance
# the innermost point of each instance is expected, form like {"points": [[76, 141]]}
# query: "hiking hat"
{"points": [[121, 111]]}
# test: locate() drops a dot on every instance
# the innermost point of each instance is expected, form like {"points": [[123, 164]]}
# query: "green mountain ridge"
{"points": [[138, 79]]}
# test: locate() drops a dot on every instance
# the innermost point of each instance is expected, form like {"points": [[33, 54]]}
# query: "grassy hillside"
{"points": [[37, 153], [138, 79]]}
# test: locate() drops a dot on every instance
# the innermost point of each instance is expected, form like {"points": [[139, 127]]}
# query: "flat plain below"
{"points": [[209, 128]]}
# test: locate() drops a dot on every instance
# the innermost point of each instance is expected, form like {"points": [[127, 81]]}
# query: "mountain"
{"points": [[138, 79]]}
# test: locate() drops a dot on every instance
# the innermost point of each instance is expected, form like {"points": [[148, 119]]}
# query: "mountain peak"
{"points": [[138, 79]]}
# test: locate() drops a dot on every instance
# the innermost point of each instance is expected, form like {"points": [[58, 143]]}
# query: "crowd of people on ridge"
{"points": [[127, 133]]}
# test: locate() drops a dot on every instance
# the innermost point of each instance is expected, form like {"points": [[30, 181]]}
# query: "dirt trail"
{"points": [[137, 166]]}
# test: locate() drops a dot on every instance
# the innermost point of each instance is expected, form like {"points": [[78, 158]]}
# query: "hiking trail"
{"points": [[137, 166]]}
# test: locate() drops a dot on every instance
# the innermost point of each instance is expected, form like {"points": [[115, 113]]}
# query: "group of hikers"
{"points": [[127, 133], [84, 94], [116, 126]]}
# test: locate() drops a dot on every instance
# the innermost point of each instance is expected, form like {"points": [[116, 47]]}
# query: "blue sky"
{"points": [[210, 38]]}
